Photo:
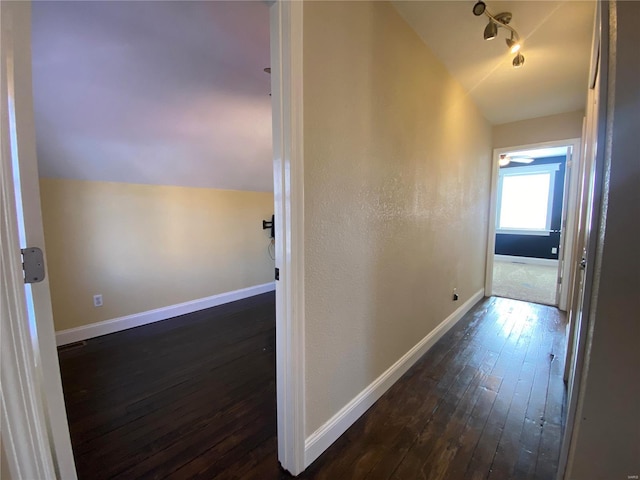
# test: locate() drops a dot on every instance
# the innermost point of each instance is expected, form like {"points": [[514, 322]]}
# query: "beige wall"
{"points": [[607, 443], [144, 247], [537, 130], [397, 173]]}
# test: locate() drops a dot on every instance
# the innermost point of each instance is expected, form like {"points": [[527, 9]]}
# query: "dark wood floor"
{"points": [[194, 397]]}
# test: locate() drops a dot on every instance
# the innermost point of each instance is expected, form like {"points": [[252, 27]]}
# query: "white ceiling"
{"points": [[174, 93], [556, 45], [169, 93]]}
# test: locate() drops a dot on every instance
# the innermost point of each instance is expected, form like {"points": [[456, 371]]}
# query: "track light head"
{"points": [[490, 31], [479, 8], [513, 45], [518, 61]]}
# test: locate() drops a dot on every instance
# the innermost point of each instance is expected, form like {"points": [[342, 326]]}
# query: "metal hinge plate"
{"points": [[32, 264]]}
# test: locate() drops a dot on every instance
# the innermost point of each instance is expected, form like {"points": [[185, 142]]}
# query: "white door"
{"points": [[584, 244], [35, 435]]}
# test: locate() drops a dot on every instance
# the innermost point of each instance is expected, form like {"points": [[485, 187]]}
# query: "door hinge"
{"points": [[277, 274], [32, 264]]}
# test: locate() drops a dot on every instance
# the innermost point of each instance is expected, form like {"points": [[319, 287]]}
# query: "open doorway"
{"points": [[532, 222], [156, 176]]}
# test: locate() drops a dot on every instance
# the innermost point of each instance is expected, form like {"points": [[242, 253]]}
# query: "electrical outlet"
{"points": [[455, 295], [97, 300], [554, 250]]}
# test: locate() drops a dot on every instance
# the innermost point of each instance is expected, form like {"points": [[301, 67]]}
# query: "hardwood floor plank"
{"points": [[467, 442], [547, 460]]}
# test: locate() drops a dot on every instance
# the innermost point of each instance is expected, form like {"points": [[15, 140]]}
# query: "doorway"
{"points": [[531, 225], [196, 180]]}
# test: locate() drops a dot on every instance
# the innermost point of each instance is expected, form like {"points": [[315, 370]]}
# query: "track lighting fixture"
{"points": [[513, 45], [518, 61], [479, 8], [491, 30]]}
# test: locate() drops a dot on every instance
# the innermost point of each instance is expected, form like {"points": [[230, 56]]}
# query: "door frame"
{"points": [[287, 111], [569, 202], [31, 364]]}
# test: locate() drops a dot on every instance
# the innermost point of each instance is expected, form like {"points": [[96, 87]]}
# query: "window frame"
{"points": [[551, 169]]}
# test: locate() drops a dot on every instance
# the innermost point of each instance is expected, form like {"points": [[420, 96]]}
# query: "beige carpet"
{"points": [[532, 283]]}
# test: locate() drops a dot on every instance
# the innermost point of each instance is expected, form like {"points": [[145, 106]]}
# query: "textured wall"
{"points": [[144, 247], [397, 177], [536, 130]]}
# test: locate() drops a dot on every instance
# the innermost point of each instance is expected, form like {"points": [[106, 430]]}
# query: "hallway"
{"points": [[486, 402]]}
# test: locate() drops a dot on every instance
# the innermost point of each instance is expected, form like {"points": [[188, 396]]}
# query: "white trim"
{"points": [[491, 228], [548, 262], [26, 446], [328, 433], [64, 337], [287, 103], [569, 215], [531, 233], [46, 387]]}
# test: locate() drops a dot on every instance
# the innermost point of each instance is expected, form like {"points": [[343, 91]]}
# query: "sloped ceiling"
{"points": [[169, 93], [556, 45]]}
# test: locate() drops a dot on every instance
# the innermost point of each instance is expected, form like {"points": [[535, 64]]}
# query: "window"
{"points": [[525, 199]]}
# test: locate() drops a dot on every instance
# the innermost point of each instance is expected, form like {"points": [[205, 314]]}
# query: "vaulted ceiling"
{"points": [[174, 93]]}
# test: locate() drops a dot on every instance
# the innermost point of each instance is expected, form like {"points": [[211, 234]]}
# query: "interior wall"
{"points": [[607, 436], [145, 247], [397, 166], [537, 130]]}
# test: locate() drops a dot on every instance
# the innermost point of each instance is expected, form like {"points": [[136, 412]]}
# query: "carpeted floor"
{"points": [[532, 283]]}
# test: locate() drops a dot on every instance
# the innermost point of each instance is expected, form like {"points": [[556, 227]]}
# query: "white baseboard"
{"points": [[328, 433], [549, 262], [85, 332]]}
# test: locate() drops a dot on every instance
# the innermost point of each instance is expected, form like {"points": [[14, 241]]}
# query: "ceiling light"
{"points": [[523, 159], [505, 159], [518, 61], [513, 45], [490, 31], [479, 8], [501, 20]]}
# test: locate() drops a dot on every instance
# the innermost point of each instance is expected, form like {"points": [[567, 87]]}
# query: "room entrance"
{"points": [[531, 211]]}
